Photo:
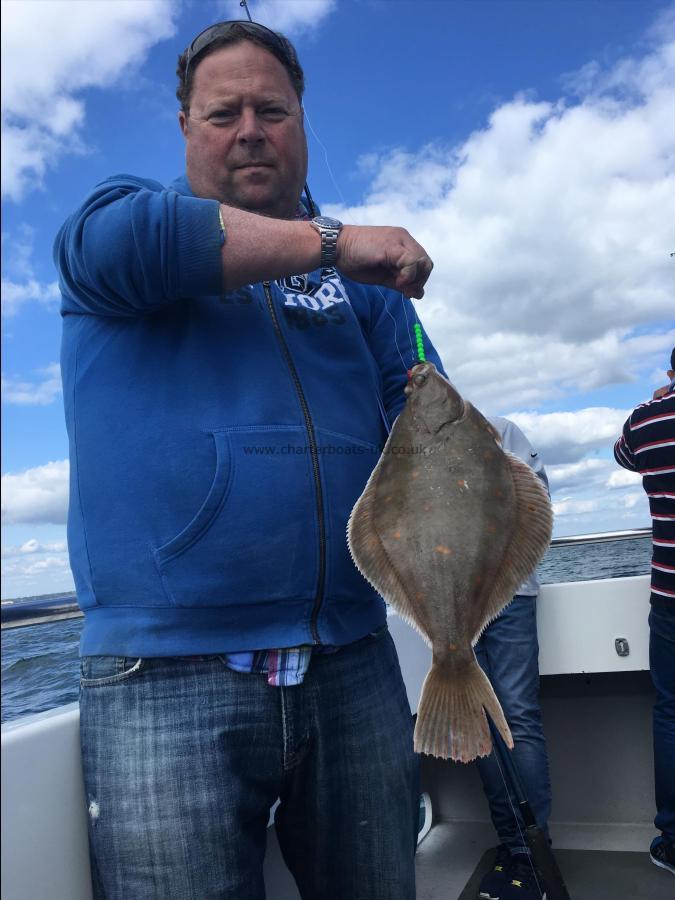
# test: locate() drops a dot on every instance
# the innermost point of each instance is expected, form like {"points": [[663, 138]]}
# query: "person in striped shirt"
{"points": [[647, 446]]}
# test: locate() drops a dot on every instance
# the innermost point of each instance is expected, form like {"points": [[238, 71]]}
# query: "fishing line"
{"points": [[325, 154], [344, 203], [314, 210], [516, 820], [421, 357]]}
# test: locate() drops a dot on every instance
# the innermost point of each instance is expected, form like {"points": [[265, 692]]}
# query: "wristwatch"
{"points": [[329, 229]]}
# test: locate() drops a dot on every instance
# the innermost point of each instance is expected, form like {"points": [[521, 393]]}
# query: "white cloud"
{"points": [[622, 478], [34, 546], [550, 229], [16, 294], [595, 490], [36, 495], [44, 565], [289, 16], [50, 52], [25, 393], [22, 567], [22, 577], [20, 284], [574, 507], [566, 436], [582, 474], [38, 565], [588, 489]]}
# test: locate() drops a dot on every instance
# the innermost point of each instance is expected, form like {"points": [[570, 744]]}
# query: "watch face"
{"points": [[327, 222]]}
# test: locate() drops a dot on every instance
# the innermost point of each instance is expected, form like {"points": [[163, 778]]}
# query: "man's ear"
{"points": [[183, 122]]}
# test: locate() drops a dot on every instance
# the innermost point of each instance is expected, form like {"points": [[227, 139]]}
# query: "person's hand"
{"points": [[383, 255], [659, 392]]}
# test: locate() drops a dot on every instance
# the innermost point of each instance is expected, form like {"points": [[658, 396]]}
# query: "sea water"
{"points": [[40, 667]]}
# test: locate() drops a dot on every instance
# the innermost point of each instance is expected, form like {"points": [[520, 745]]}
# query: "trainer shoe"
{"points": [[662, 853], [494, 882], [526, 883]]}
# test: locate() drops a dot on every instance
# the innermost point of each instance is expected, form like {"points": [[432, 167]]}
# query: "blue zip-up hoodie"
{"points": [[217, 441]]}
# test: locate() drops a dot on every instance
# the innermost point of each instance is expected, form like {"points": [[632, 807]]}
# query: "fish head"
{"points": [[432, 401]]}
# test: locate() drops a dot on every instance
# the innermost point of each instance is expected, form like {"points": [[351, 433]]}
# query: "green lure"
{"points": [[420, 343]]}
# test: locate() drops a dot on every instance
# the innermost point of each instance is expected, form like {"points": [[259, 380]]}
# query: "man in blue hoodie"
{"points": [[224, 411]]}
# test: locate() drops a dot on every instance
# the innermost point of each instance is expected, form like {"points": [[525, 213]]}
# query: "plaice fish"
{"points": [[447, 528]]}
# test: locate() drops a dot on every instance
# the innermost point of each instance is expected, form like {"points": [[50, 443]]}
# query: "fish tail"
{"points": [[451, 719]]}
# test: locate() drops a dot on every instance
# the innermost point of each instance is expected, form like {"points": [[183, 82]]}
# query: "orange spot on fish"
{"points": [[478, 579], [427, 508], [446, 551], [461, 482], [419, 595], [492, 528], [452, 647], [397, 535], [415, 474]]}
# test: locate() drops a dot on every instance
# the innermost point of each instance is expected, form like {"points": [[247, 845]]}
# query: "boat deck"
{"points": [[452, 859], [598, 862]]}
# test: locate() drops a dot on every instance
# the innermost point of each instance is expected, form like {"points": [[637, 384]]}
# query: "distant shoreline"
{"points": [[39, 597]]}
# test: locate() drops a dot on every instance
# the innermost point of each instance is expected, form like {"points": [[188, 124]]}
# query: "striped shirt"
{"points": [[647, 446]]}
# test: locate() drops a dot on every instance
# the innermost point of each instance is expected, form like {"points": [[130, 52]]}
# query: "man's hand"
{"points": [[659, 392], [383, 255]]}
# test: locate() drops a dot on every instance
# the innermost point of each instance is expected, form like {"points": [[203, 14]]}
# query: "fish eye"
{"points": [[419, 379]]}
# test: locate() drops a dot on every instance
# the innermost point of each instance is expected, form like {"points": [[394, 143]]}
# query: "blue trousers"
{"points": [[183, 759], [508, 652], [662, 668]]}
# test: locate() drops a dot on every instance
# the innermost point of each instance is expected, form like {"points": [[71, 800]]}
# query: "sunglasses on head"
{"points": [[221, 29]]}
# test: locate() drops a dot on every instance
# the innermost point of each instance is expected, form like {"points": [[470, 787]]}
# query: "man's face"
{"points": [[244, 135]]}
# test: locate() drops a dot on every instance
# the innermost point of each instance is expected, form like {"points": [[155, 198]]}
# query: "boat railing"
{"points": [[601, 536], [38, 612]]}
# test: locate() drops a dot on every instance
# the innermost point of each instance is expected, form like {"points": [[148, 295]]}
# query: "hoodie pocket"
{"points": [[254, 537]]}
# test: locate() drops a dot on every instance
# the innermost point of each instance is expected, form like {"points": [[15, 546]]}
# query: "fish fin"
{"points": [[451, 720], [372, 560], [529, 541]]}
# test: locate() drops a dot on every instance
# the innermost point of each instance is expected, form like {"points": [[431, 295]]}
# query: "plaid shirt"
{"points": [[284, 667]]}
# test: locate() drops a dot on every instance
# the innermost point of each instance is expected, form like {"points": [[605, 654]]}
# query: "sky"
{"points": [[528, 145]]}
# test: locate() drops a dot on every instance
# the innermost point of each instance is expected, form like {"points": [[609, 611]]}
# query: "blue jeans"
{"points": [[508, 652], [662, 668], [183, 759]]}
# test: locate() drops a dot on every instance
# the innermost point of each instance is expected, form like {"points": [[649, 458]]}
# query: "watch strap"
{"points": [[329, 238]]}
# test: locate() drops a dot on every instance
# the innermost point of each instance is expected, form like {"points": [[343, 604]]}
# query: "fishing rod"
{"points": [[540, 849]]}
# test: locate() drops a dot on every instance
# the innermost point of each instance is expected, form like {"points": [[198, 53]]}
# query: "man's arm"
{"points": [[258, 248], [134, 247], [623, 453]]}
